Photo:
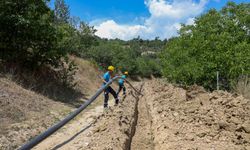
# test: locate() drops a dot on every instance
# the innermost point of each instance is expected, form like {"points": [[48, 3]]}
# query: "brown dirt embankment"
{"points": [[115, 128], [32, 102], [196, 119], [24, 114]]}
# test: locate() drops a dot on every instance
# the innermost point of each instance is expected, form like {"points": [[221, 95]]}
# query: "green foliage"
{"points": [[87, 39], [27, 33], [34, 36], [127, 56], [103, 53], [76, 38], [145, 66], [219, 41]]}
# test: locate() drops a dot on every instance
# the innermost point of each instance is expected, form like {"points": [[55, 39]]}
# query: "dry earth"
{"points": [[166, 117], [196, 119], [96, 129], [24, 114]]}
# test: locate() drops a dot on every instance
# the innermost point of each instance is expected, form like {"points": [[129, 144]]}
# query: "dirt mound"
{"points": [[195, 119], [24, 114], [115, 128], [166, 117]]}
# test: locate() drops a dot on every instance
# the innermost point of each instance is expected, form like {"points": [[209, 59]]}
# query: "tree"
{"points": [[61, 11], [77, 36], [27, 33], [219, 41], [87, 39]]}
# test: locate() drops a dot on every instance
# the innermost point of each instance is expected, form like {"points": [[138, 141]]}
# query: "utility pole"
{"points": [[217, 80]]}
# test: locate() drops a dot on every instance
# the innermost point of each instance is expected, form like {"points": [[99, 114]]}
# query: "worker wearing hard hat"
{"points": [[121, 83], [106, 78]]}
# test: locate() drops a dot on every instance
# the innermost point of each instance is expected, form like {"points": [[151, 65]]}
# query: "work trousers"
{"points": [[121, 87], [106, 96]]}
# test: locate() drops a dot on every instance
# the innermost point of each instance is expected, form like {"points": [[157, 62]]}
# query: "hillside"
{"points": [[25, 113]]}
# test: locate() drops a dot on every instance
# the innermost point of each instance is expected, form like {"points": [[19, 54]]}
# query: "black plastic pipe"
{"points": [[60, 124], [138, 92]]}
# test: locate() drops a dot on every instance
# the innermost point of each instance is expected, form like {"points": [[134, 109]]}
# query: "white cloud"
{"points": [[110, 29], [190, 21], [164, 21], [177, 9]]}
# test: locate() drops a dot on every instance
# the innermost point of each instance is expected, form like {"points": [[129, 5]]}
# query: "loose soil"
{"points": [[166, 117], [98, 129], [24, 114], [31, 103], [196, 119]]}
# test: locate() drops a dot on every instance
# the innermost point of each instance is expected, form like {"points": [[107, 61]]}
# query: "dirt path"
{"points": [[95, 129], [75, 134]]}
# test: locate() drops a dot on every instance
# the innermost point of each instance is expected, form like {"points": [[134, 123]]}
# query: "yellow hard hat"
{"points": [[111, 68], [126, 73]]}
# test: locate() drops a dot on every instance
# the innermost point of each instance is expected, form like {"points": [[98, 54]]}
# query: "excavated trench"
{"points": [[141, 134], [134, 124], [168, 117]]}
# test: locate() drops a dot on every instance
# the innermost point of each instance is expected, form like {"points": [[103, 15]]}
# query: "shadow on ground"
{"points": [[70, 139]]}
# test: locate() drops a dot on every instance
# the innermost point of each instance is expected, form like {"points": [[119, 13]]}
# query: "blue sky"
{"points": [[122, 11], [126, 19]]}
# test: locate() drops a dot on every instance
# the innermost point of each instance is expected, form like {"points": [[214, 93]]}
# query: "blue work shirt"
{"points": [[121, 80], [106, 77]]}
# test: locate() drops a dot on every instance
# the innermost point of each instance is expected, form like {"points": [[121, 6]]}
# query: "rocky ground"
{"points": [[32, 102], [196, 119], [112, 129], [166, 117], [24, 114]]}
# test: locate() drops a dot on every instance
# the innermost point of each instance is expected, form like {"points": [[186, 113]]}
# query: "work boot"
{"points": [[105, 105], [116, 102]]}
